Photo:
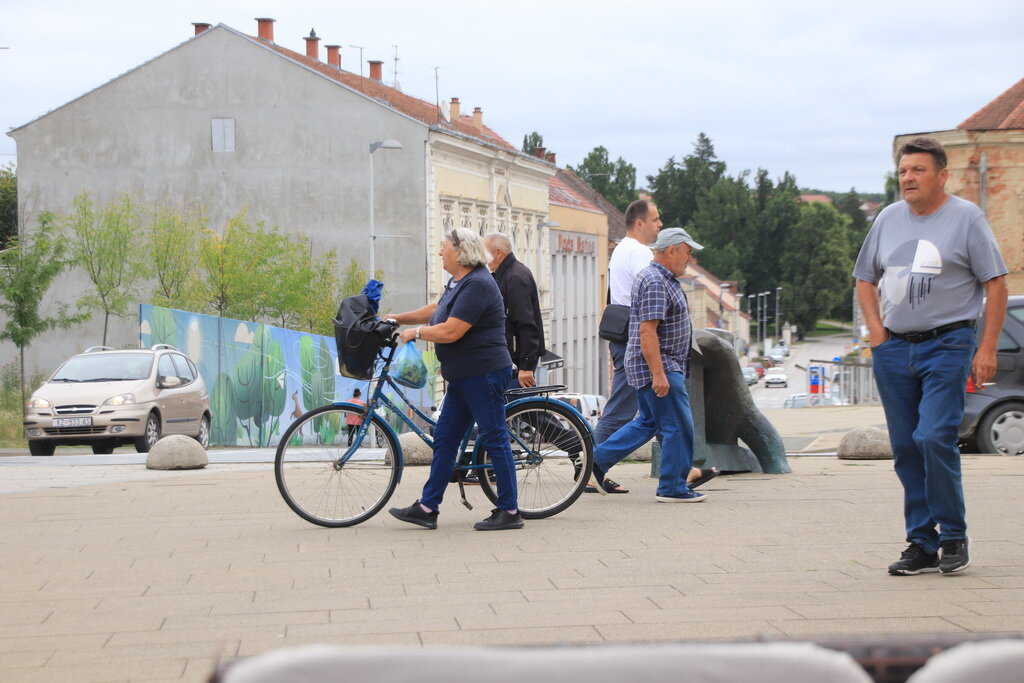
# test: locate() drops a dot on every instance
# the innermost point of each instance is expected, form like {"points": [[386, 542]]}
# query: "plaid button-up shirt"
{"points": [[657, 295]]}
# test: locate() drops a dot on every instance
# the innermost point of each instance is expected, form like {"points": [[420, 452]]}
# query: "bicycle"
{"points": [[332, 484]]}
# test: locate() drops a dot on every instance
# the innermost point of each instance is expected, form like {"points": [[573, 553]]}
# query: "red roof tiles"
{"points": [[414, 107], [1003, 113], [562, 194]]}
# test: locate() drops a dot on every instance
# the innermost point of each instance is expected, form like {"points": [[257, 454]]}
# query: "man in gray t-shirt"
{"points": [[929, 258]]}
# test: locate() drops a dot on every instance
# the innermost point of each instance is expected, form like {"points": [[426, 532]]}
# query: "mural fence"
{"points": [[262, 377]]}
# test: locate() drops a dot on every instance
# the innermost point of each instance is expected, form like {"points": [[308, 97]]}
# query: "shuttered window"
{"points": [[222, 132]]}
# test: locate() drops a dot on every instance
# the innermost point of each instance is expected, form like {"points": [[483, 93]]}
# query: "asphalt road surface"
{"points": [[817, 348]]}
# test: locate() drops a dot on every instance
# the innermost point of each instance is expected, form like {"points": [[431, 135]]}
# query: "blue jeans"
{"points": [[671, 417], [479, 399], [621, 405], [922, 390]]}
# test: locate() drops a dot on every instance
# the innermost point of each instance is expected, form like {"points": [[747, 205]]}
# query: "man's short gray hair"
{"points": [[499, 240], [472, 252]]}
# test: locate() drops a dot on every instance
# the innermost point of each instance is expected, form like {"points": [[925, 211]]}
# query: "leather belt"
{"points": [[918, 337]]}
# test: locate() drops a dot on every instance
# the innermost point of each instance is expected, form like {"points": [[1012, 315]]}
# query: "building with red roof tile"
{"points": [[226, 123]]}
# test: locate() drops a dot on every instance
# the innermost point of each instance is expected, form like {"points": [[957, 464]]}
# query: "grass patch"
{"points": [[11, 408], [828, 328]]}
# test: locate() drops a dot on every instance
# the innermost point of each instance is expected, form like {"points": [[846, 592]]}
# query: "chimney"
{"points": [[539, 152], [478, 118], [265, 29], [376, 70], [334, 55], [312, 45], [550, 158], [456, 110], [200, 27]]}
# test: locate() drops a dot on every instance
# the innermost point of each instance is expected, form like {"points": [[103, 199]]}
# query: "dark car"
{"points": [[994, 415]]}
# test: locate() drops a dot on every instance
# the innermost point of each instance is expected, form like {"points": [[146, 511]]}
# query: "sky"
{"points": [[817, 89]]}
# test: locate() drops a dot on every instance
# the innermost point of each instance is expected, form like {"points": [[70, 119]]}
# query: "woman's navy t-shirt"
{"points": [[474, 299]]}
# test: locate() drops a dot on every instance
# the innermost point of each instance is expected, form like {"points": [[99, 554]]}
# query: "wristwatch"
{"points": [[418, 331]]}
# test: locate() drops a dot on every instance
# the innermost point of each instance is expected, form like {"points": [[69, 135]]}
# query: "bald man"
{"points": [[524, 326]]}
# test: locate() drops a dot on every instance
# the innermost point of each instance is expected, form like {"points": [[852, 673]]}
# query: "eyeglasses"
{"points": [[456, 242]]}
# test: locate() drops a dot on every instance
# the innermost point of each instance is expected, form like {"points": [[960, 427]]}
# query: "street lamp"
{"points": [[778, 294], [762, 310], [382, 144], [764, 334], [750, 311]]}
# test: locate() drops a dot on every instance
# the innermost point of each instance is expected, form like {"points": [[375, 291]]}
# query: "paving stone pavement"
{"points": [[114, 572]]}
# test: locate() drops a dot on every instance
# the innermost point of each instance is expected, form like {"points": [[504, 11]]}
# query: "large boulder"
{"points": [[176, 452], [414, 450], [865, 443]]}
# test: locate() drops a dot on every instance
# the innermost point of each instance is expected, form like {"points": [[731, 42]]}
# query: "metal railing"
{"points": [[840, 382]]}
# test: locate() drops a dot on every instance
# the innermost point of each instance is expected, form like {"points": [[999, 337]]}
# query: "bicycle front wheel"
{"points": [[328, 482], [553, 454]]}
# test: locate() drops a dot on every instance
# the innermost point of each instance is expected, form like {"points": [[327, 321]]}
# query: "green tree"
{"points": [[857, 229], [320, 302], [815, 264], [778, 210], [107, 247], [892, 190], [613, 180], [678, 186], [8, 204], [353, 279], [532, 142], [174, 255], [28, 267], [238, 269], [725, 223]]}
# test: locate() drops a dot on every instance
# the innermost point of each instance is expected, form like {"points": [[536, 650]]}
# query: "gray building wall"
{"points": [[301, 162]]}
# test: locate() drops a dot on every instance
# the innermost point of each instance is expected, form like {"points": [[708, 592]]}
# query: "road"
{"points": [[818, 348]]}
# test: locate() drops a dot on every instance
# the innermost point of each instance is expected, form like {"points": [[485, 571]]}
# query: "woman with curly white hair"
{"points": [[467, 326]]}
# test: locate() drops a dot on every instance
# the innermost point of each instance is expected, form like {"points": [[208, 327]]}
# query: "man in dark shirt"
{"points": [[524, 325]]}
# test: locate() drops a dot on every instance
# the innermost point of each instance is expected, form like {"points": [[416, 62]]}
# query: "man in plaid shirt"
{"points": [[657, 364]]}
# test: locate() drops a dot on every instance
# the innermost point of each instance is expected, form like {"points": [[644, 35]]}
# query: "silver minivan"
{"points": [[107, 397]]}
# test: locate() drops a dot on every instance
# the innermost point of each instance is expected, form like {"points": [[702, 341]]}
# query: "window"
{"points": [[184, 371], [222, 132], [165, 367], [1007, 344]]}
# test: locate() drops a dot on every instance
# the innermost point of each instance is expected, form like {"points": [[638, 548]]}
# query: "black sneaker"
{"points": [[500, 519], [956, 555], [414, 514], [915, 560]]}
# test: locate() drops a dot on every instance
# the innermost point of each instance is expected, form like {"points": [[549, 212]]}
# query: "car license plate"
{"points": [[72, 422]]}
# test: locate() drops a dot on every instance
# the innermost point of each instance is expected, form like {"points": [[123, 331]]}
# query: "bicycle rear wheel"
{"points": [[326, 481], [553, 453]]}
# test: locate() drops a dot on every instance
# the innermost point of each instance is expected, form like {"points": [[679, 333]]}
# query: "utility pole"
{"points": [[778, 295]]}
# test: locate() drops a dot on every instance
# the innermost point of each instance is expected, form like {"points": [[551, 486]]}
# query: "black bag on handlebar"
{"points": [[360, 336]]}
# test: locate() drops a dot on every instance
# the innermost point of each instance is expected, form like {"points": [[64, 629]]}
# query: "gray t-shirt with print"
{"points": [[929, 268]]}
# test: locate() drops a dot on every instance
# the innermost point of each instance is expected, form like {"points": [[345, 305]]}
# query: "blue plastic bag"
{"points": [[408, 368]]}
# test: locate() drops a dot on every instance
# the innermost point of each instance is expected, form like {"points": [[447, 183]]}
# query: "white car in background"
{"points": [[776, 379], [590, 406]]}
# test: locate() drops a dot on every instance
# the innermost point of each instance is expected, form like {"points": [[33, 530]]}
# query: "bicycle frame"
{"points": [[379, 398]]}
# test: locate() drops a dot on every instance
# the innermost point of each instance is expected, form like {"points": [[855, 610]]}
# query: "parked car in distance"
{"points": [[993, 419], [776, 379], [107, 398], [777, 355], [758, 368], [806, 400], [590, 406], [750, 374]]}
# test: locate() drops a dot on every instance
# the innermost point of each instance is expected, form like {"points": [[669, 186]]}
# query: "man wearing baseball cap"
{"points": [[657, 364]]}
